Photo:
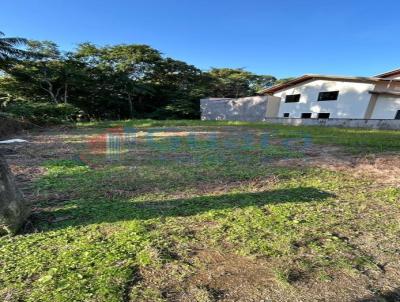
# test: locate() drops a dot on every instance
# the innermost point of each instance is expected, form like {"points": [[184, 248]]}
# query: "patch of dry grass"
{"points": [[272, 224]]}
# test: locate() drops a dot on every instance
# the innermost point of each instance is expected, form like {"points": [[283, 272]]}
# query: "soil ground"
{"points": [[164, 220]]}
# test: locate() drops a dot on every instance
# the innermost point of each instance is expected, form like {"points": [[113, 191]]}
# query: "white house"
{"points": [[321, 96]]}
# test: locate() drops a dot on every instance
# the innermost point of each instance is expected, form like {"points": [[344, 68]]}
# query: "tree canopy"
{"points": [[116, 81]]}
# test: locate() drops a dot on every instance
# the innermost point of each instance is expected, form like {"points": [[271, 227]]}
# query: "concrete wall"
{"points": [[386, 107], [347, 123], [352, 101], [273, 106], [241, 109]]}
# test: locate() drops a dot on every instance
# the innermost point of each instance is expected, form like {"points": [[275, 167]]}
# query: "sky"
{"points": [[283, 38]]}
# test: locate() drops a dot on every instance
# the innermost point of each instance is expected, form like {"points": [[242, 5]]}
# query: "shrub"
{"points": [[43, 113]]}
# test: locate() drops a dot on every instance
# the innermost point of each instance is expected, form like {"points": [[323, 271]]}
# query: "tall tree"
{"points": [[43, 71], [179, 86], [129, 66]]}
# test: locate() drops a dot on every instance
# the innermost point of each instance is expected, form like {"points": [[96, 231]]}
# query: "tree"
{"points": [[119, 81], [261, 82], [8, 48], [179, 87], [46, 75], [283, 81], [130, 67], [234, 83]]}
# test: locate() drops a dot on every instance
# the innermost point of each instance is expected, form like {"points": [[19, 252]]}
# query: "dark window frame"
{"points": [[326, 96], [326, 115], [306, 115], [286, 114], [292, 98], [397, 116]]}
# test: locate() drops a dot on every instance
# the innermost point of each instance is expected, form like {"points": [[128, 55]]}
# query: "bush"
{"points": [[178, 109], [10, 126], [43, 113]]}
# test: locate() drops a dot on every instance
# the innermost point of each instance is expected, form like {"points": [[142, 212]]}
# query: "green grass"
{"points": [[355, 140], [96, 228]]}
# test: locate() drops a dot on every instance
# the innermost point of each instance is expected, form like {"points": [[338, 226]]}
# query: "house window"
{"points": [[292, 98], [328, 96], [323, 115], [397, 117], [286, 115], [306, 115]]}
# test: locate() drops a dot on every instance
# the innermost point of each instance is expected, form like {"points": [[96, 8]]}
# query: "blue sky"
{"points": [[282, 38]]}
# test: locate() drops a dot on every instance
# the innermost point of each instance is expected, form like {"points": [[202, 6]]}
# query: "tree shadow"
{"points": [[85, 212], [388, 296]]}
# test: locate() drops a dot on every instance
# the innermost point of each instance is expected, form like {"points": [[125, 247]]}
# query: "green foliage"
{"points": [[120, 81], [283, 81], [8, 48], [177, 109], [234, 83], [43, 113]]}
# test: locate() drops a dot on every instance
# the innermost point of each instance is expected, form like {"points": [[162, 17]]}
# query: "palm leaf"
{"points": [[8, 47], [14, 41]]}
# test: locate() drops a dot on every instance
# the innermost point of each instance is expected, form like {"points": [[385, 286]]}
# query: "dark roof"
{"points": [[388, 74]]}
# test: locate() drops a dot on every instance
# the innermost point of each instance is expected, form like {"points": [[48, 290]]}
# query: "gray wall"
{"points": [[241, 109], [334, 122]]}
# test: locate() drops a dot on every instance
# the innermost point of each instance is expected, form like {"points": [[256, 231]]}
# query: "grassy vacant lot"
{"points": [[206, 211]]}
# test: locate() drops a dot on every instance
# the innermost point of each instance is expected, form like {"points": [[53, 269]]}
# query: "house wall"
{"points": [[346, 123], [352, 101], [381, 86], [386, 107]]}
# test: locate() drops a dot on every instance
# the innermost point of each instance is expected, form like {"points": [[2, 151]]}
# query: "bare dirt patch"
{"points": [[383, 168], [216, 276]]}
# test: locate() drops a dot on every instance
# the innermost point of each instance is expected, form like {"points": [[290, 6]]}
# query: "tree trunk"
{"points": [[50, 91], [130, 103], [52, 96], [13, 209], [57, 94], [66, 93]]}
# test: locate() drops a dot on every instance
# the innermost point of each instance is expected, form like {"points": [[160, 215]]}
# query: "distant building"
{"points": [[339, 97]]}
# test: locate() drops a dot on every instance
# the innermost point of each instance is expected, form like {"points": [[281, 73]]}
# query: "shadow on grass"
{"points": [[388, 296], [85, 212]]}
